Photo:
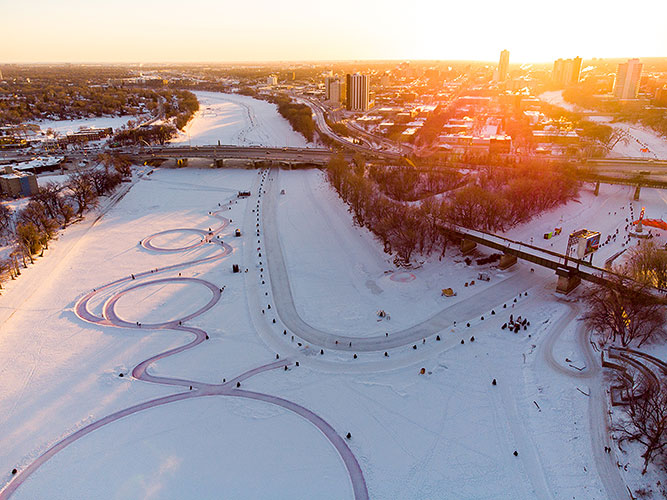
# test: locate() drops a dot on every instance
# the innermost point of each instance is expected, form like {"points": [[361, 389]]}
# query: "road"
{"points": [[389, 148]]}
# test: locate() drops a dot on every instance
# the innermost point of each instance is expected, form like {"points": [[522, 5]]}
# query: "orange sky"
{"points": [[263, 30]]}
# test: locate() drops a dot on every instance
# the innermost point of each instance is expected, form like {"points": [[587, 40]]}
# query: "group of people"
{"points": [[516, 324]]}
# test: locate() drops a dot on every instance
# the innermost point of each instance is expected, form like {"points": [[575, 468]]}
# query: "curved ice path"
{"points": [[195, 389]]}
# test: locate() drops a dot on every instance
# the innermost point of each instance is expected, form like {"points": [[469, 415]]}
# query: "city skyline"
{"points": [[263, 31]]}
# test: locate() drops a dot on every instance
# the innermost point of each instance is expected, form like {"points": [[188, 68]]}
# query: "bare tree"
{"points": [[647, 420], [625, 311], [647, 263], [35, 213], [51, 197], [82, 191], [618, 135], [6, 220]]}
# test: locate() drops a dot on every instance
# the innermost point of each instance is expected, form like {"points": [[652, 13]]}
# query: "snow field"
{"points": [[641, 138], [207, 447], [64, 127], [446, 433]]}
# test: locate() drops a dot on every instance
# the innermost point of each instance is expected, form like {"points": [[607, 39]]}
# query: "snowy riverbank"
{"points": [[641, 142]]}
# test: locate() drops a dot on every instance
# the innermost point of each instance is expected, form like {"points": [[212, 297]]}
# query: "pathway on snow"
{"points": [[194, 388]]}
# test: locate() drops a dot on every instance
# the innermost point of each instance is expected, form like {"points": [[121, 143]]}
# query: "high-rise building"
{"points": [[0, 75], [272, 80], [661, 97], [566, 71], [333, 89], [503, 65], [357, 92], [628, 74]]}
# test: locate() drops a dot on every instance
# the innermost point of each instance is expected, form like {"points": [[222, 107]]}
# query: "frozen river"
{"points": [[233, 119]]}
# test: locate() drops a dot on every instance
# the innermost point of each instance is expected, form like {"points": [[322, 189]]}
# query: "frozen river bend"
{"points": [[239, 120]]}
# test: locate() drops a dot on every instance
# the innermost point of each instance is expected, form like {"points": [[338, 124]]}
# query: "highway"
{"points": [[323, 127], [387, 147]]}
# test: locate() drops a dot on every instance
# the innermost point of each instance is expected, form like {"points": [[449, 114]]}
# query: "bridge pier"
{"points": [[219, 162], [637, 190], [597, 188], [567, 281], [467, 246], [507, 261]]}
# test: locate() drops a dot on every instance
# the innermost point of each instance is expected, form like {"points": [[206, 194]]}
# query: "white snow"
{"points": [[641, 142], [605, 213], [555, 97], [235, 119], [64, 127], [446, 433]]}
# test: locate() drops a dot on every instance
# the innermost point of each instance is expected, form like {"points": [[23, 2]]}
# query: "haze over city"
{"points": [[265, 30], [348, 250]]}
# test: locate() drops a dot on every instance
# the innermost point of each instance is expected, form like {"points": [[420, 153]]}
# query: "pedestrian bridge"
{"points": [[570, 271]]}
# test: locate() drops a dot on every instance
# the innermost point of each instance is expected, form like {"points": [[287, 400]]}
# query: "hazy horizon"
{"points": [[203, 31]]}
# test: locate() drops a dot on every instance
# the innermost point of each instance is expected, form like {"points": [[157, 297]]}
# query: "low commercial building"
{"points": [[556, 136], [86, 135], [15, 183], [39, 165]]}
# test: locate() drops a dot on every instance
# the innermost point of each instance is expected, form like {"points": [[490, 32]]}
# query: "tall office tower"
{"points": [[576, 71], [628, 74], [566, 71], [272, 80], [358, 91], [333, 89], [557, 73], [503, 65]]}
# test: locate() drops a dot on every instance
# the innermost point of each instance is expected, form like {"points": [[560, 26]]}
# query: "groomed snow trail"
{"points": [[461, 311], [598, 409]]}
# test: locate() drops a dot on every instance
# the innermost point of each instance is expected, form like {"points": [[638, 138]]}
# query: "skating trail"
{"points": [[499, 293], [194, 389], [598, 415]]}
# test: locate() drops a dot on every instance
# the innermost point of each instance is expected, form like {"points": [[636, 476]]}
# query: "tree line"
{"points": [[299, 116], [491, 199], [411, 184], [55, 206], [179, 107]]}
